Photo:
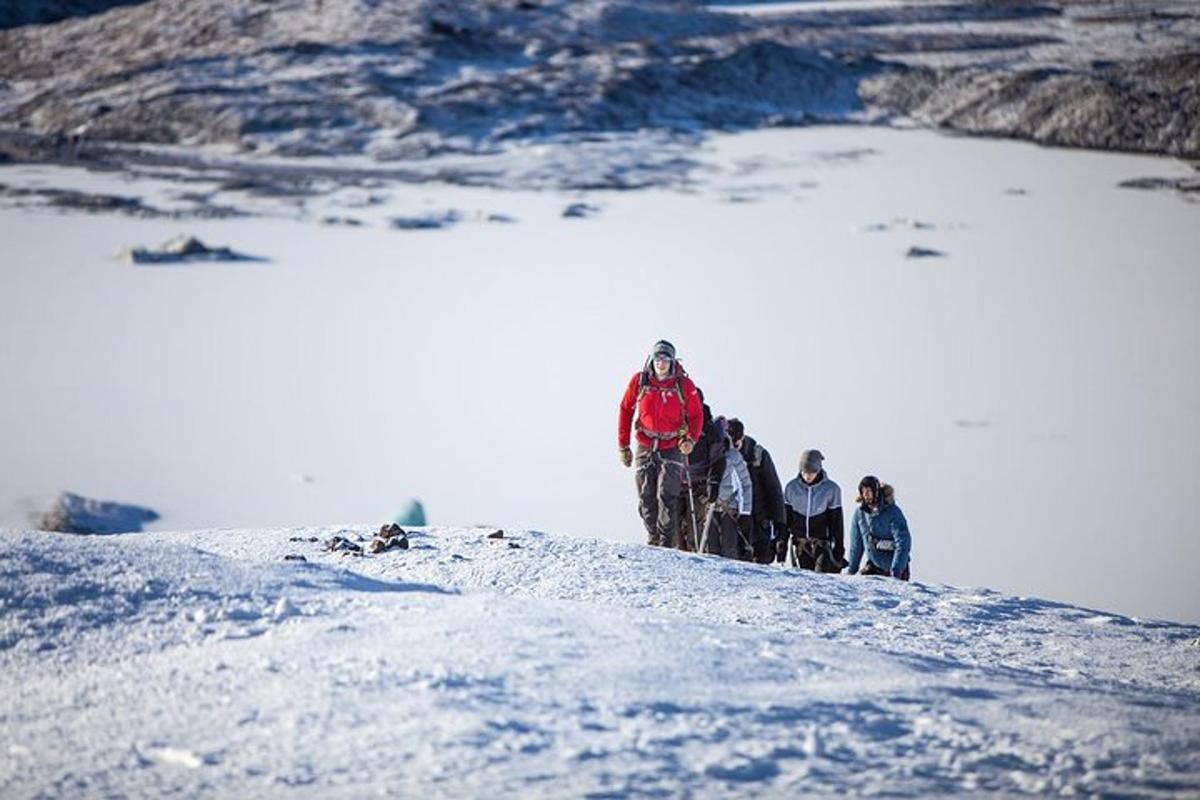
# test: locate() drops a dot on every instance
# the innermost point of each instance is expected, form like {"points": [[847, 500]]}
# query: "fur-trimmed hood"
{"points": [[887, 495]]}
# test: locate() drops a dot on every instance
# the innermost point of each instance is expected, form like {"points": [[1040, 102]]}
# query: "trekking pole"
{"points": [[708, 517], [687, 470]]}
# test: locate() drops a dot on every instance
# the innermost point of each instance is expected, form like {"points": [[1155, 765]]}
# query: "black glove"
{"points": [[781, 545]]}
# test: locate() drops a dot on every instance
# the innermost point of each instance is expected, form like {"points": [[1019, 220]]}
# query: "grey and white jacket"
{"points": [[736, 491], [814, 511]]}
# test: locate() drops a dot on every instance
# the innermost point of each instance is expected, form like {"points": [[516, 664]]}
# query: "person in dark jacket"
{"points": [[813, 505], [701, 480], [879, 530], [768, 513]]}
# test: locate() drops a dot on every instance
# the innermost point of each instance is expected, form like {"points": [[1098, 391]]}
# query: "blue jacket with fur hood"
{"points": [[882, 535]]}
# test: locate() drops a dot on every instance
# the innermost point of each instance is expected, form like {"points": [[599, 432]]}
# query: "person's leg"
{"points": [[670, 484], [646, 476], [745, 537], [804, 556], [729, 534], [687, 519], [761, 541]]}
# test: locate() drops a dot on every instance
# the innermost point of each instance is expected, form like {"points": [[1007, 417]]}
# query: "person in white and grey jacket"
{"points": [[729, 518], [813, 504]]}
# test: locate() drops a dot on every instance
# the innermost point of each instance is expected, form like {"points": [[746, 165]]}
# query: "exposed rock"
{"points": [[72, 513], [181, 249], [14, 13], [1148, 105], [1184, 185], [410, 79], [923, 252], [428, 222], [580, 211], [496, 534], [349, 222], [380, 545], [340, 544], [390, 530]]}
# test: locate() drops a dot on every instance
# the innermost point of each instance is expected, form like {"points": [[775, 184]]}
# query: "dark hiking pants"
{"points": [[870, 569], [659, 478], [815, 554], [726, 533], [692, 514], [764, 547]]}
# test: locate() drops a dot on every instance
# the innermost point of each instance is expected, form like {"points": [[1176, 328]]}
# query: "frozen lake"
{"points": [[1031, 393]]}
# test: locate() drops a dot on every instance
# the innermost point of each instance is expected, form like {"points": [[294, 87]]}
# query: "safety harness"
{"points": [[656, 437]]}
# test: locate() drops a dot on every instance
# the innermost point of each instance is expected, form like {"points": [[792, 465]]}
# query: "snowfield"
{"points": [[204, 665]]}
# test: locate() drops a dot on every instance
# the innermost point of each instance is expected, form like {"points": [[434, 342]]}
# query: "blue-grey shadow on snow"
{"points": [[354, 582]]}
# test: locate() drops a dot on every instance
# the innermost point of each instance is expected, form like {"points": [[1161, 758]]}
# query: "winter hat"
{"points": [[665, 348], [871, 482], [810, 461], [736, 429]]}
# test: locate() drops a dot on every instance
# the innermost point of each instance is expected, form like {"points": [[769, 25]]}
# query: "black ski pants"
{"points": [[659, 477], [726, 532]]}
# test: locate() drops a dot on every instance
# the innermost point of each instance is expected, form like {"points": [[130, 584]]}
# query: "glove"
{"points": [[626, 456], [686, 446], [781, 550]]}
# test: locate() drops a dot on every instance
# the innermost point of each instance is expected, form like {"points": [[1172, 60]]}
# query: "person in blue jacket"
{"points": [[879, 530]]}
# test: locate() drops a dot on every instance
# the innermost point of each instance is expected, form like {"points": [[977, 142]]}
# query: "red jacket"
{"points": [[660, 410]]}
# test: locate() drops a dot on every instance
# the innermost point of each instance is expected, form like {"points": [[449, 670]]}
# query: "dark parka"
{"points": [[706, 464], [768, 497]]}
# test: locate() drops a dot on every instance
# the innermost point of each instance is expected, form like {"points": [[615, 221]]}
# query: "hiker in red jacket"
{"points": [[662, 404]]}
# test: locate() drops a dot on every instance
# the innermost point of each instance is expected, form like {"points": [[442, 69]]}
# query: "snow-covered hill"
{"points": [[205, 664]]}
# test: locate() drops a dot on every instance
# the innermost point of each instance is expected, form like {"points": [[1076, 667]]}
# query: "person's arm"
{"points": [[747, 492], [626, 411], [836, 527], [856, 541], [693, 410], [903, 540], [772, 491], [716, 464], [784, 533]]}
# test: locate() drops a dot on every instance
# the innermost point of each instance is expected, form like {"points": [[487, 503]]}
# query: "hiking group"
{"points": [[705, 486]]}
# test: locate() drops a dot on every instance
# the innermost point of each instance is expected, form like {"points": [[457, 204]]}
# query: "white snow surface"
{"points": [[203, 665], [1031, 395]]}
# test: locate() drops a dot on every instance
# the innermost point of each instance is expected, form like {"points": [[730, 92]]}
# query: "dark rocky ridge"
{"points": [[412, 78], [14, 13]]}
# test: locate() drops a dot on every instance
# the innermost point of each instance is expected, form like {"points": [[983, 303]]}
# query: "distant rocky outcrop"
{"points": [[180, 250], [15, 13], [408, 79], [72, 513], [1147, 105]]}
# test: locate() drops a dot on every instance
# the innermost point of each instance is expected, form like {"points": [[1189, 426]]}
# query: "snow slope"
{"points": [[538, 665], [1032, 394]]}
